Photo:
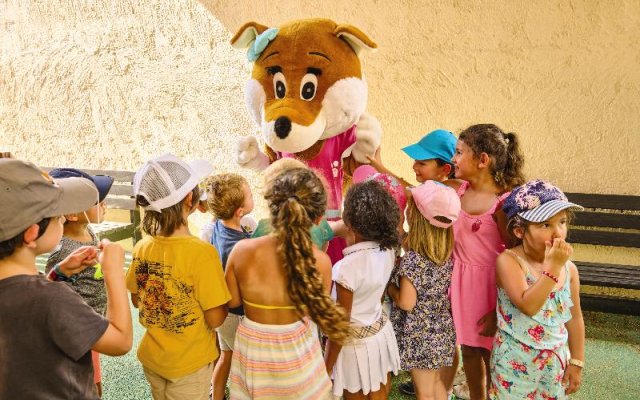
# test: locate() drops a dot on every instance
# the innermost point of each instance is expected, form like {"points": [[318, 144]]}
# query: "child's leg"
{"points": [[158, 384], [380, 394], [448, 374], [221, 374], [191, 387], [429, 384], [476, 370], [226, 337]]}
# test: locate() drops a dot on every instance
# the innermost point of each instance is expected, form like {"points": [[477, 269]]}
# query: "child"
{"points": [[362, 367], [432, 157], [229, 199], [176, 281], [539, 310], [433, 160], [322, 232], [490, 162], [422, 313], [47, 330], [89, 283], [283, 280]]}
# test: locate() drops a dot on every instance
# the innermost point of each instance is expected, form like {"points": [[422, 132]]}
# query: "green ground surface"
{"points": [[612, 369]]}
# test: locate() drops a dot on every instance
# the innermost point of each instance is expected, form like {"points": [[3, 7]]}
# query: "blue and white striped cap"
{"points": [[537, 201]]}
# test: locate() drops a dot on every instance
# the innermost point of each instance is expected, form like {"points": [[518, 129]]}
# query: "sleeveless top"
{"points": [[477, 244], [544, 330], [477, 238]]}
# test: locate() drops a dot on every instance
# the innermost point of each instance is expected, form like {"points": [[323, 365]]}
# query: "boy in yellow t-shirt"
{"points": [[176, 281]]}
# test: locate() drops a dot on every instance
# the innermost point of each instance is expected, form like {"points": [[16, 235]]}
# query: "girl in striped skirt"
{"points": [[283, 280]]}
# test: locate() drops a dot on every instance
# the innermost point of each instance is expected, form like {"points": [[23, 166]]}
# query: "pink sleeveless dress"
{"points": [[473, 282]]}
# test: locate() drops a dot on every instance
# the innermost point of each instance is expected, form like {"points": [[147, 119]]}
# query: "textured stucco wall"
{"points": [[107, 84]]}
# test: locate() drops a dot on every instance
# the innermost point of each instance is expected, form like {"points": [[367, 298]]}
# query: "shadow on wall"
{"points": [[109, 84]]}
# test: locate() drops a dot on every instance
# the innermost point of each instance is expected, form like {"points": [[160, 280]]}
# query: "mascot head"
{"points": [[307, 82]]}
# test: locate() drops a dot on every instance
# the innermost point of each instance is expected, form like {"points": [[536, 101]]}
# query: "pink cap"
{"points": [[362, 173], [389, 183], [435, 199]]}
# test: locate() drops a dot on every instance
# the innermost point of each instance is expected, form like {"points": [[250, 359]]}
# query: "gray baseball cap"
{"points": [[28, 195]]}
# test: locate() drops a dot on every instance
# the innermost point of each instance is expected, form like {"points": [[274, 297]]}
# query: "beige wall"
{"points": [[108, 84]]}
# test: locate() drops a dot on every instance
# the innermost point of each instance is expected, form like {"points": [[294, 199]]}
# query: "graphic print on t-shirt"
{"points": [[166, 302]]}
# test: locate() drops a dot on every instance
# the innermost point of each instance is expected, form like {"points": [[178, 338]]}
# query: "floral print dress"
{"points": [[426, 335], [530, 353]]}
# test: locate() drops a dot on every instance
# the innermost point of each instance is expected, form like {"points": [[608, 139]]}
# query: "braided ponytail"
{"points": [[296, 198]]}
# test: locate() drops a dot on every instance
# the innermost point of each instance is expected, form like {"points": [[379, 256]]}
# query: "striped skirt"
{"points": [[278, 362]]}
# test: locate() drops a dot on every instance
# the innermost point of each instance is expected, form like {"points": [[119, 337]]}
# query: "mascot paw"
{"points": [[248, 154], [368, 137]]}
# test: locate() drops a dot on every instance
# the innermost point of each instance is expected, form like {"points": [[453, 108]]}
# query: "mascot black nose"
{"points": [[282, 127]]}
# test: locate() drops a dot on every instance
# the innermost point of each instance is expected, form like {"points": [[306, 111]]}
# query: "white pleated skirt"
{"points": [[363, 364]]}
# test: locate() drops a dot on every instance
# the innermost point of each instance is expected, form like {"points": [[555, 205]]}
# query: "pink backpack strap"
{"points": [[500, 201], [462, 188]]}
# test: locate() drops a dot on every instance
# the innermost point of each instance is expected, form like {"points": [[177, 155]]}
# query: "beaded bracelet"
{"points": [[550, 275]]}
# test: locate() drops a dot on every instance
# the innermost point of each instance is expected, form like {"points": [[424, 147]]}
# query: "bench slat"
{"points": [[121, 190], [606, 220], [603, 238], [120, 203], [610, 304], [610, 201]]}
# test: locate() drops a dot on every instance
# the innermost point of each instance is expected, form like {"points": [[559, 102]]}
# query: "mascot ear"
{"points": [[355, 38], [247, 34]]}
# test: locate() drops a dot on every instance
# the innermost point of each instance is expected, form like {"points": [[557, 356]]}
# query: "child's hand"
{"points": [[376, 162], [111, 257], [572, 379], [488, 324], [79, 260], [557, 254]]}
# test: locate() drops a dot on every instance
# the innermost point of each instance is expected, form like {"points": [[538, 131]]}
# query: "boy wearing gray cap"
{"points": [[47, 330]]}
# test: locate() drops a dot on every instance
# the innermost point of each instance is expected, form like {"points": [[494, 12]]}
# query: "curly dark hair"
{"points": [[371, 212]]}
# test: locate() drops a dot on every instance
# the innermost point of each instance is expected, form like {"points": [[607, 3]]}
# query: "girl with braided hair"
{"points": [[283, 280], [362, 367]]}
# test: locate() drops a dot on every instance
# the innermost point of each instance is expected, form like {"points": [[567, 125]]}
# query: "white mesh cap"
{"points": [[165, 180]]}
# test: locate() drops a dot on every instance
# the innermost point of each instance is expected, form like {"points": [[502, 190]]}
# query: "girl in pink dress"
{"points": [[490, 162]]}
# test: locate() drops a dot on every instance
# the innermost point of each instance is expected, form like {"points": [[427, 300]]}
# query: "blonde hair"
{"points": [[225, 194], [429, 241], [296, 198], [165, 222]]}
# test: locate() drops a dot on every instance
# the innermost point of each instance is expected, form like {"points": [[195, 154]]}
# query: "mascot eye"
{"points": [[279, 85], [308, 87]]}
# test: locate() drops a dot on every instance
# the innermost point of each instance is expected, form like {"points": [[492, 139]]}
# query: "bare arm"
{"points": [[118, 338], [510, 277], [345, 299], [215, 316], [404, 296], [323, 265], [575, 327], [376, 162], [232, 282]]}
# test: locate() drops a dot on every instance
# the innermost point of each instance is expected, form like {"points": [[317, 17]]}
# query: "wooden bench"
{"points": [[608, 220]]}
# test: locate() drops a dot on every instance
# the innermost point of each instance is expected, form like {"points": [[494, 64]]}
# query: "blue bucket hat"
{"points": [[440, 144], [103, 182], [537, 201]]}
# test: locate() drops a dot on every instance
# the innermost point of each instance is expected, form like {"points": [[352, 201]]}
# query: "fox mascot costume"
{"points": [[308, 94]]}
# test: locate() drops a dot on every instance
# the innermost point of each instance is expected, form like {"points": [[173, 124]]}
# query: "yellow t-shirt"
{"points": [[176, 280]]}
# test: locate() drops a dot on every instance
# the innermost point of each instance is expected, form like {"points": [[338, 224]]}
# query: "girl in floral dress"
{"points": [[538, 351], [421, 314]]}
